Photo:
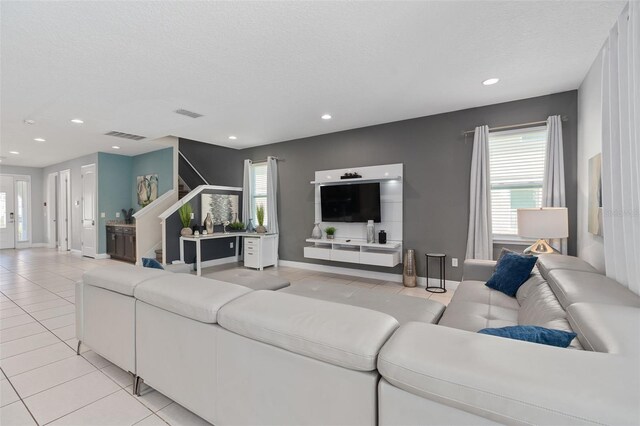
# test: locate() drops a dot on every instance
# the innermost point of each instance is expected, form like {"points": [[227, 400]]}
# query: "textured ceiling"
{"points": [[267, 71]]}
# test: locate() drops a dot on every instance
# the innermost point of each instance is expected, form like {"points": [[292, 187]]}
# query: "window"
{"points": [[3, 210], [516, 165], [22, 219], [259, 188]]}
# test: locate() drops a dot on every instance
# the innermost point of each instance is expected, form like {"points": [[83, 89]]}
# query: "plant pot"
{"points": [[330, 237], [261, 229], [185, 232]]}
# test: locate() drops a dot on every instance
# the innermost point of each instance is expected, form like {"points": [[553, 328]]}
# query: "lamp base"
{"points": [[540, 247]]}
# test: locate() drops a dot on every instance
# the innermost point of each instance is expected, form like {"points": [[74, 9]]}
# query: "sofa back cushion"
{"points": [[121, 279], [535, 279], [578, 286], [550, 262], [343, 335]]}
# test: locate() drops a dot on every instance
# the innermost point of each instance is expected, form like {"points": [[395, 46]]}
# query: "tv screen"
{"points": [[350, 203]]}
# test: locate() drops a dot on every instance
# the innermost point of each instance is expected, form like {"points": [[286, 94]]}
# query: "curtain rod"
{"points": [[515, 126], [265, 160]]}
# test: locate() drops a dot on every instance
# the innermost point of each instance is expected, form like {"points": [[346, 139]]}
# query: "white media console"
{"points": [[356, 249]]}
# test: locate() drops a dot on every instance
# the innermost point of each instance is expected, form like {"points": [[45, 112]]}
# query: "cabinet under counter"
{"points": [[121, 242]]}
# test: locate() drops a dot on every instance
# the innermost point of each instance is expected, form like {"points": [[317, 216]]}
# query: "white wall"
{"points": [[590, 247]]}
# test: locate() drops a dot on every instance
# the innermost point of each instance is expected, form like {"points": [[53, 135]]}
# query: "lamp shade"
{"points": [[546, 222]]}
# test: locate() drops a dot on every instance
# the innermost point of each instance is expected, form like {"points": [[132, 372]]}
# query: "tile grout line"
{"points": [[19, 397]]}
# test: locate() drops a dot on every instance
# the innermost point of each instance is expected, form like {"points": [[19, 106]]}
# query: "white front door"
{"points": [[52, 210], [64, 197], [89, 210], [7, 213]]}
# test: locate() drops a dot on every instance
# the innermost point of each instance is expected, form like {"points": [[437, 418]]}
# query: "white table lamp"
{"points": [[543, 223]]}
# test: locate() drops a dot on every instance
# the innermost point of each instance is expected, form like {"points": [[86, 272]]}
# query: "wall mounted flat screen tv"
{"points": [[350, 203]]}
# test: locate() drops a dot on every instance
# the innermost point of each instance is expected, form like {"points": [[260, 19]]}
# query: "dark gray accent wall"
{"points": [[437, 162], [212, 161]]}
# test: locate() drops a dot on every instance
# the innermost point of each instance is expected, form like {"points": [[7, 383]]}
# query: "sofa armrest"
{"points": [[478, 270], [511, 381], [79, 310]]}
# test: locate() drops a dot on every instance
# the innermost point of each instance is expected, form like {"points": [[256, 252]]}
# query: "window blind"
{"points": [[516, 167], [259, 187]]}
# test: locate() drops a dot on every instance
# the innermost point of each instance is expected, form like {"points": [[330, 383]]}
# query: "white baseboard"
{"points": [[215, 262], [102, 256], [76, 251], [422, 281], [38, 245]]}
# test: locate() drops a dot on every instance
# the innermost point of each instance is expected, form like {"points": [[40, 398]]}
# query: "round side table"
{"points": [[442, 288]]}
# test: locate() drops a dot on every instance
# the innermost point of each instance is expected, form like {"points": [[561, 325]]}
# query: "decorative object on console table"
{"points": [[382, 237], [317, 232], [128, 216], [442, 288], [371, 236], [350, 175], [208, 223], [409, 277], [236, 226], [543, 223], [185, 212], [250, 227], [260, 215], [331, 232]]}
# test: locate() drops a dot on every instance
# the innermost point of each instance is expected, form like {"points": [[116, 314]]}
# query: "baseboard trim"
{"points": [[362, 273], [215, 262], [38, 245], [102, 256], [76, 251]]}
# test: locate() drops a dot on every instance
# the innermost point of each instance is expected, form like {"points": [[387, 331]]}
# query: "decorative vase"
{"points": [[185, 232], [409, 273], [261, 229], [250, 227], [382, 237], [317, 232], [208, 224], [371, 236]]}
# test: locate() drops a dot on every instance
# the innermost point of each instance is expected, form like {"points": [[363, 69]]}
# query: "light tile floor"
{"points": [[44, 382]]}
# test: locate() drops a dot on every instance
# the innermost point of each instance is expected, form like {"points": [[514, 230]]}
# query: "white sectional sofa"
{"points": [[237, 356]]}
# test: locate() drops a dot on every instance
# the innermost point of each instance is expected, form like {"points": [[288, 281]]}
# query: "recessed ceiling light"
{"points": [[326, 117], [115, 147], [14, 152], [77, 121], [233, 138], [39, 139], [29, 122], [490, 81]]}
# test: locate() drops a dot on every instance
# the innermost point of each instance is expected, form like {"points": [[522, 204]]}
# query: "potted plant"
{"points": [[185, 217], [331, 232], [236, 226], [260, 215]]}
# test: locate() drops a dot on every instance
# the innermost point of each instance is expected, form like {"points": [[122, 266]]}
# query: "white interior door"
{"points": [[52, 210], [7, 213], [89, 210], [64, 210]]}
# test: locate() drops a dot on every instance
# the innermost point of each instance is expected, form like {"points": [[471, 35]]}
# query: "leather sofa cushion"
{"points": [[402, 308], [535, 279], [347, 336], [510, 381], [550, 262], [607, 328], [477, 292], [575, 286], [122, 279], [473, 316], [478, 269], [255, 280], [188, 295]]}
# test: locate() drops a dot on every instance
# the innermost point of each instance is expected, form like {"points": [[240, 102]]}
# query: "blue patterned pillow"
{"points": [[151, 263], [533, 333], [511, 272]]}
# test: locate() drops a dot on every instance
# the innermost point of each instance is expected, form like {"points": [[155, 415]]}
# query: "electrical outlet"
{"points": [[103, 214], [117, 214], [193, 215], [454, 262], [230, 245]]}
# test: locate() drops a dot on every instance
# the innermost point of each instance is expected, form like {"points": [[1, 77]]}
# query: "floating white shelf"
{"points": [[391, 245], [357, 180], [354, 251]]}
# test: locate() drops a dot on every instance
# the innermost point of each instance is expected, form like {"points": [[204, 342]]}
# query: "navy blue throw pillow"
{"points": [[151, 263], [511, 272], [533, 333]]}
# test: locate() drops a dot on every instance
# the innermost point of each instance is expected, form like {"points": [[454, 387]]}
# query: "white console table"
{"points": [[263, 255], [355, 251]]}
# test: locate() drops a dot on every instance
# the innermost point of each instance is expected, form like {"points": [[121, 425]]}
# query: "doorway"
{"points": [[7, 213], [89, 236], [63, 203], [52, 210]]}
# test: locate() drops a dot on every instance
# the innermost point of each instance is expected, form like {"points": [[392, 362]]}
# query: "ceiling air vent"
{"points": [[124, 135], [188, 113]]}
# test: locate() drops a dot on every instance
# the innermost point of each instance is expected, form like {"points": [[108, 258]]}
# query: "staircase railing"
{"points": [[193, 167], [148, 225]]}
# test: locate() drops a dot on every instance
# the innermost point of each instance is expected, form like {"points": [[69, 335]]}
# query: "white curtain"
{"points": [[272, 199], [480, 238], [246, 194], [621, 149], [553, 188]]}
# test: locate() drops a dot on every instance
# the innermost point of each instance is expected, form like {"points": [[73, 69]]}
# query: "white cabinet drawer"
{"points": [[251, 259], [381, 259], [317, 253], [251, 242], [345, 256]]}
